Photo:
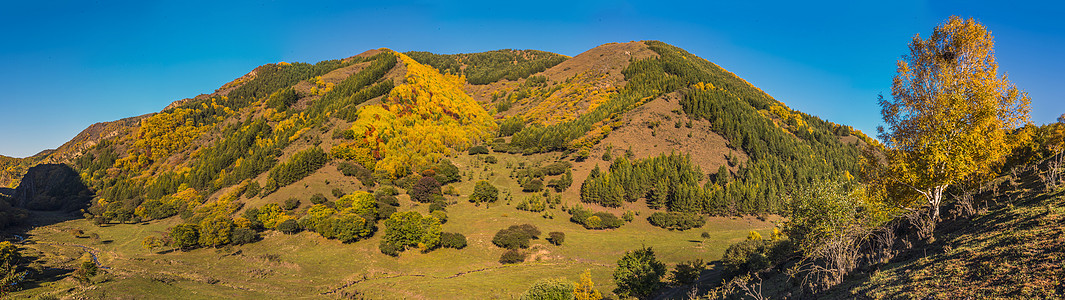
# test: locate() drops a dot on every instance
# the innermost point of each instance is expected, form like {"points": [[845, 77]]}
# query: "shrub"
{"points": [[288, 226], [439, 215], [446, 172], [512, 256], [361, 173], [746, 256], [532, 185], [478, 150], [291, 203], [676, 220], [424, 190], [687, 272], [385, 211], [386, 190], [556, 238], [528, 229], [533, 203], [556, 168], [549, 289], [515, 237], [438, 205], [337, 192], [582, 155], [318, 199], [599, 220], [243, 235], [390, 249], [452, 240], [491, 159], [484, 192], [389, 199]]}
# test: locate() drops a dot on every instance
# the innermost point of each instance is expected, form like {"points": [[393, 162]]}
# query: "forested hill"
{"points": [[395, 115], [349, 149]]}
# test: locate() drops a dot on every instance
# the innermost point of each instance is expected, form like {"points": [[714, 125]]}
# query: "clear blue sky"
{"points": [[68, 64]]}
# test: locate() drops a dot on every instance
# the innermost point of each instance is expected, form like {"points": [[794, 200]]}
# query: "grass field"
{"points": [[306, 265]]}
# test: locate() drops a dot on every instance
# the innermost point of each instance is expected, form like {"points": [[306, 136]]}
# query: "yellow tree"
{"points": [[585, 289], [950, 114]]}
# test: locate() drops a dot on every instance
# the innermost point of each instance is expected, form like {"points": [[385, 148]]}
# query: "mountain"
{"points": [[345, 151]]}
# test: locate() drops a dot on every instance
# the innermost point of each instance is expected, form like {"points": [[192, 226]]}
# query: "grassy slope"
{"points": [[307, 265], [1012, 251]]}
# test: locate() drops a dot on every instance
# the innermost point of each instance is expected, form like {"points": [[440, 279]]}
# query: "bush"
{"points": [[446, 172], [532, 185], [452, 240], [484, 192], [512, 256], [385, 211], [599, 220], [439, 205], [390, 249], [556, 238], [424, 190], [361, 173], [318, 199], [291, 203], [533, 203], [491, 159], [676, 220], [746, 256], [478, 150], [439, 215], [582, 155], [288, 227], [687, 272], [549, 289], [385, 190], [389, 199], [557, 168], [515, 237], [337, 192]]}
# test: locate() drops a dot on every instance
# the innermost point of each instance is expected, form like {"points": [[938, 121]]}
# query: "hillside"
{"points": [[348, 177]]}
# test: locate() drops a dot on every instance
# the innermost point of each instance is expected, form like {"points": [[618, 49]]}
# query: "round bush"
{"points": [[291, 203], [288, 226], [556, 238], [240, 236], [390, 249], [318, 199], [549, 289], [512, 256], [452, 240]]}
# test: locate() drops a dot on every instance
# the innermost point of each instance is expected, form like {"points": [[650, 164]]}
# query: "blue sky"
{"points": [[68, 64]]}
